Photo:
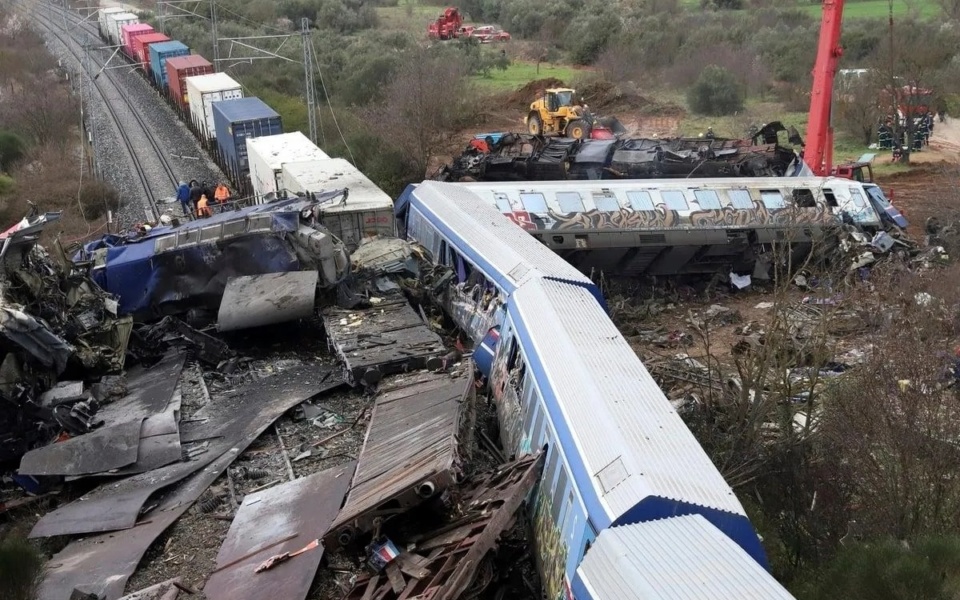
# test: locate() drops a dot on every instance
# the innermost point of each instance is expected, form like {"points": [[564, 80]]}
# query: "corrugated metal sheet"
{"points": [[181, 67], [141, 47], [236, 121], [683, 558], [481, 231], [631, 440]]}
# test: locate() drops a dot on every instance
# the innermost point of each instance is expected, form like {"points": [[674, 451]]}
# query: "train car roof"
{"points": [[680, 558], [489, 239], [646, 184], [635, 456]]}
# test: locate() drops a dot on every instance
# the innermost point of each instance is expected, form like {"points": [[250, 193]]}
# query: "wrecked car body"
{"points": [[173, 269], [522, 157]]}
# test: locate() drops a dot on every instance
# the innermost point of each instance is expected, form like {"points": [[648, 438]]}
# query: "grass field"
{"points": [[880, 9], [519, 74]]}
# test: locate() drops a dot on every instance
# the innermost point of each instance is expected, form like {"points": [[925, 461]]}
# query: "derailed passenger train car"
{"points": [[522, 157], [619, 460], [669, 227]]}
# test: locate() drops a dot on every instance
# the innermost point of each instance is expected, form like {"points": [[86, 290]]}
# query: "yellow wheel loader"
{"points": [[555, 112]]}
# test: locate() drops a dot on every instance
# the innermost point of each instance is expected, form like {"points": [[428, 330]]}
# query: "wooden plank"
{"points": [[371, 586], [410, 567], [397, 582]]}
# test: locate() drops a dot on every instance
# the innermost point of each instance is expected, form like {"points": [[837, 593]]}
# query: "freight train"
{"points": [[245, 136], [629, 505]]}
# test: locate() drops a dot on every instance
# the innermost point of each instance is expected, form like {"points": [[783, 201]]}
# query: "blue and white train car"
{"points": [[490, 255], [618, 454], [648, 561]]}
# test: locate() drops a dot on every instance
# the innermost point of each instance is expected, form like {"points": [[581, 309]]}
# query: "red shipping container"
{"points": [[141, 47], [132, 32], [181, 67]]}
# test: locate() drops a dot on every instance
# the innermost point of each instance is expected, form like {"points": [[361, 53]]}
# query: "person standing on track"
{"points": [[183, 196]]}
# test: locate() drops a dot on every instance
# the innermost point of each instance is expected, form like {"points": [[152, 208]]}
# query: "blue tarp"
{"points": [[152, 284]]}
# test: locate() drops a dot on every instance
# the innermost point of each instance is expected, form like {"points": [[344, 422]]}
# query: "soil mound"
{"points": [[605, 97], [522, 98]]}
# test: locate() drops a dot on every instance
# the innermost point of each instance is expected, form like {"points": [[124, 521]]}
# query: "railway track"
{"points": [[50, 17]]}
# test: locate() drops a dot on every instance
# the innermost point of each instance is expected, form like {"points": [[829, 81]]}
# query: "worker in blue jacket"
{"points": [[183, 195]]}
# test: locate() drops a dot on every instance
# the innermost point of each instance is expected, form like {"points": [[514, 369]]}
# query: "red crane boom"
{"points": [[818, 153]]}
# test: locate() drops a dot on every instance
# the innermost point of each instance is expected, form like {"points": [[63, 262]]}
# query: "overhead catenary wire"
{"points": [[333, 114]]}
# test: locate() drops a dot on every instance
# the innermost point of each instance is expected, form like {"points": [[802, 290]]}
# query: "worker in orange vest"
{"points": [[203, 207], [222, 194]]}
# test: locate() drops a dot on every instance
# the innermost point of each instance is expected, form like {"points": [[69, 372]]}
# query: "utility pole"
{"points": [[161, 16], [213, 31], [308, 78]]}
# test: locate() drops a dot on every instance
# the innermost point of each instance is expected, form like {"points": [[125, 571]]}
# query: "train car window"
{"points": [[606, 202], [830, 197], [674, 199], [572, 513], [537, 433], [551, 471], [528, 416], [534, 202], [640, 200], [857, 198], [444, 253], [707, 199], [503, 204], [740, 199], [558, 494], [772, 199], [570, 202], [803, 198]]}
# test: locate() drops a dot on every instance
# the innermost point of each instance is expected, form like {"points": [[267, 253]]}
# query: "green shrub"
{"points": [[715, 93], [12, 148], [96, 198], [7, 184], [20, 568]]}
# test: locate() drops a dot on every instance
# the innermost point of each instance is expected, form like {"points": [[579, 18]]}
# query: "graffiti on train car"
{"points": [[621, 219], [552, 551], [761, 215]]}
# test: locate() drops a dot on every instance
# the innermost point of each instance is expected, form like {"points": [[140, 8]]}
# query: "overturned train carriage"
{"points": [[521, 157], [670, 227], [174, 269]]}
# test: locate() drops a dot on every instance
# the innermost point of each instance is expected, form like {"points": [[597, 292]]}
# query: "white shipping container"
{"points": [[115, 23], [102, 19], [202, 92], [268, 155], [367, 211]]}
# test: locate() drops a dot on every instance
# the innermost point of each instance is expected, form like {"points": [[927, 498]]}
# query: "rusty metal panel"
{"points": [[388, 338], [102, 564], [258, 300], [443, 564], [116, 505], [281, 519], [101, 450], [410, 453]]}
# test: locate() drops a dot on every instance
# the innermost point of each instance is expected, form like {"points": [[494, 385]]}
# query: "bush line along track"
{"points": [[73, 46]]}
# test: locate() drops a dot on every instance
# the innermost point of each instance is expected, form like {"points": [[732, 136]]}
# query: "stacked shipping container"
{"points": [[237, 120], [268, 155], [115, 24], [181, 67], [368, 210], [159, 53], [102, 17], [131, 33], [202, 92], [141, 48]]}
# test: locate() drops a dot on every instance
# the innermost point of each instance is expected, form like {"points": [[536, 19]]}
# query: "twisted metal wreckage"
{"points": [[523, 157]]}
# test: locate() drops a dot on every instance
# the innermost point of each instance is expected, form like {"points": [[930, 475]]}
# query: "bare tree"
{"points": [[950, 8], [857, 110], [426, 100]]}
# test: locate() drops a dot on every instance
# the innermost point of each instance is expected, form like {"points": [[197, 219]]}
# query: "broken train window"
{"points": [[707, 199], [830, 197], [803, 198], [740, 199], [606, 202], [772, 199]]}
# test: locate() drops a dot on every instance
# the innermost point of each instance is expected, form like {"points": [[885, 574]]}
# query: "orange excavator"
{"points": [[818, 151]]}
